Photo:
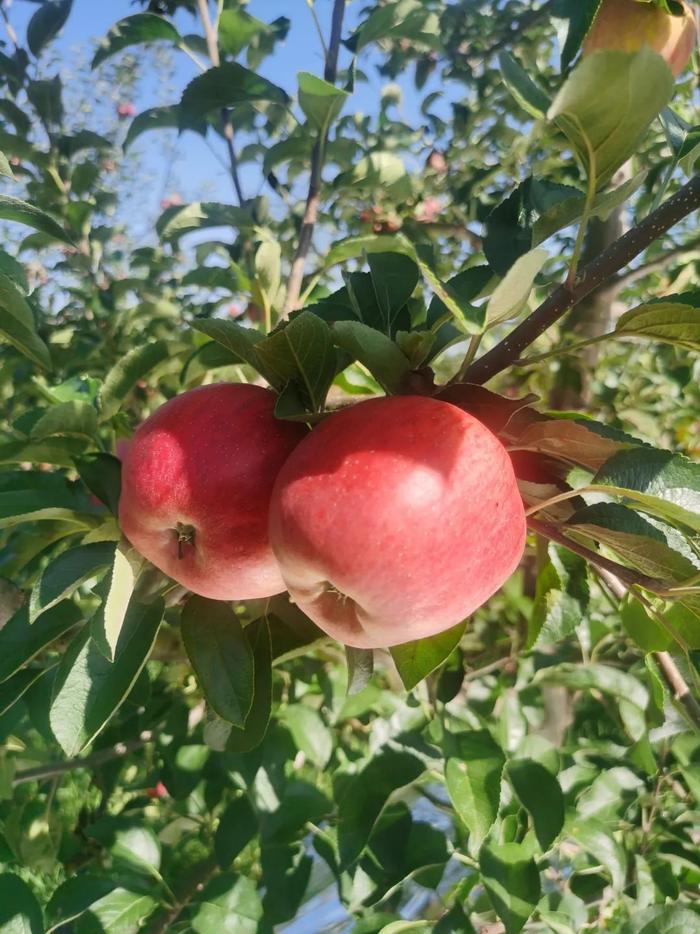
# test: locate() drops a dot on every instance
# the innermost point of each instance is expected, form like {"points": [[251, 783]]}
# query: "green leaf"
{"points": [[135, 30], [561, 598], [416, 660], [120, 380], [237, 827], [365, 796], [21, 641], [116, 592], [88, 689], [652, 547], [238, 340], [225, 86], [511, 878], [6, 168], [310, 734], [101, 474], [649, 635], [13, 209], [120, 911], [13, 688], [607, 105], [258, 636], [320, 100], [394, 278], [569, 209], [75, 419], [529, 95], [267, 264], [473, 768], [407, 19], [17, 324], [660, 482], [594, 837], [221, 656], [378, 171], [595, 677], [46, 98], [159, 118], [62, 576], [674, 319], [540, 794], [237, 28], [360, 664], [20, 912], [581, 16], [228, 903], [21, 506], [663, 919], [46, 23], [511, 295], [182, 219], [373, 350], [74, 896], [301, 352]]}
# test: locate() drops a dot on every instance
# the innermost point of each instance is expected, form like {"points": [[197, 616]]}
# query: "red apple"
{"points": [[126, 109], [196, 484], [395, 519], [627, 25]]}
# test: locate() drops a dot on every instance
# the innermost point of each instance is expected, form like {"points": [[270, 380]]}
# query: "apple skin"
{"points": [[205, 463], [395, 519], [627, 25]]}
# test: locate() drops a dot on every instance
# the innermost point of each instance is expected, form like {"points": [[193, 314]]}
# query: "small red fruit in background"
{"points": [[628, 25], [173, 200], [160, 791], [196, 484], [126, 109], [437, 162], [395, 519]]}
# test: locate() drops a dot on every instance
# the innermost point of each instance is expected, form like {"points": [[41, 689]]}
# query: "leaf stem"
{"points": [[585, 216]]}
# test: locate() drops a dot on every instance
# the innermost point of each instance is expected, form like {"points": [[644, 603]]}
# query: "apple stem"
{"points": [[185, 536]]}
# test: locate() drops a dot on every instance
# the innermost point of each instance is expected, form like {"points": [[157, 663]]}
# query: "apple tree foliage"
{"points": [[523, 246]]}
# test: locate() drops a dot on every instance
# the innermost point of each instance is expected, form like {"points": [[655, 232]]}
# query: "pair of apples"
{"points": [[390, 521]]}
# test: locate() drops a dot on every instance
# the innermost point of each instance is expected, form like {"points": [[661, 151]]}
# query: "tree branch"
{"points": [[226, 123], [562, 300], [313, 198], [52, 769]]}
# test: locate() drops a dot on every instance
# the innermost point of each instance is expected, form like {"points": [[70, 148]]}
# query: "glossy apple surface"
{"points": [[395, 519], [196, 484], [627, 25]]}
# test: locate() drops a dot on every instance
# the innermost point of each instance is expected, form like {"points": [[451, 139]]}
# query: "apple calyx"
{"points": [[185, 536]]}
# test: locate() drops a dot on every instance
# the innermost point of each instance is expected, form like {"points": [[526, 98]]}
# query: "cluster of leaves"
{"points": [[228, 766]]}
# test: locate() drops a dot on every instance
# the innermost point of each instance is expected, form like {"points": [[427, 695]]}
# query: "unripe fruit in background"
{"points": [[196, 486], [395, 519], [628, 25]]}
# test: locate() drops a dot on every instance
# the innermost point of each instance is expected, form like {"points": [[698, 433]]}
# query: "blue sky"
{"points": [[196, 172]]}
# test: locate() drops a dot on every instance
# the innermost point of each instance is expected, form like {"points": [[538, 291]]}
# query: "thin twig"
{"points": [[602, 268], [670, 671], [52, 769], [313, 197], [9, 27], [227, 125], [630, 577]]}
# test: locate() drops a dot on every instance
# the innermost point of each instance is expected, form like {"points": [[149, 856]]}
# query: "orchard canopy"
{"points": [[387, 617]]}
